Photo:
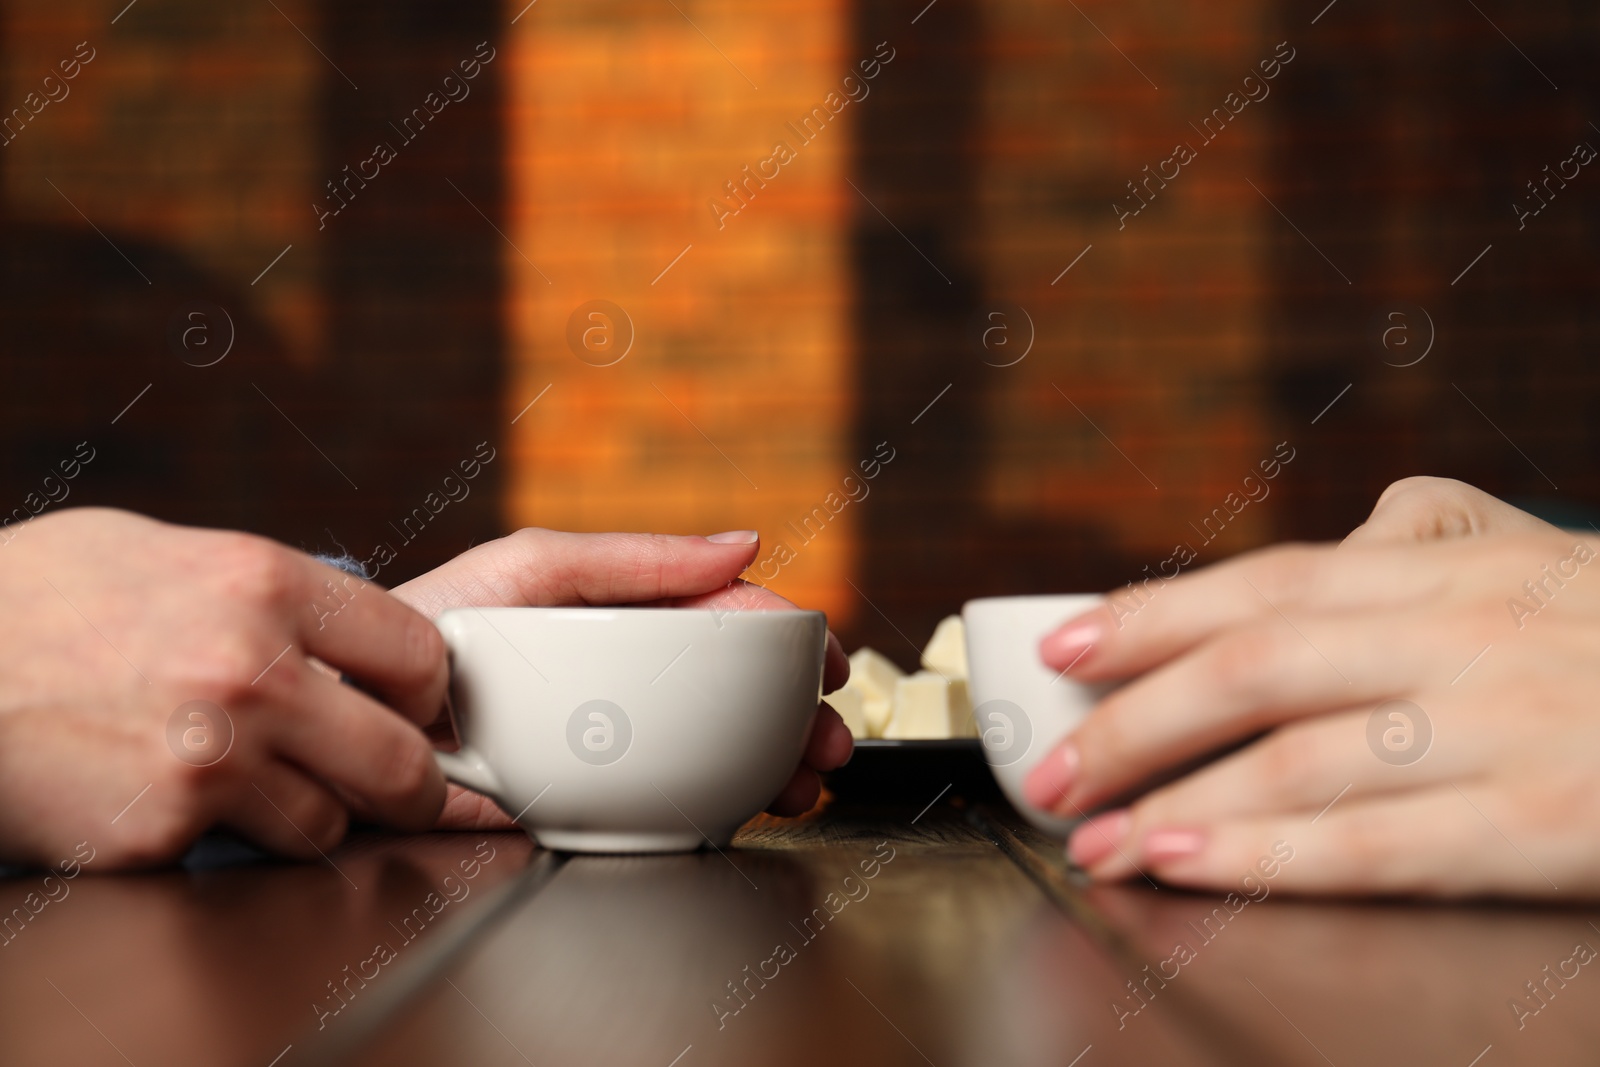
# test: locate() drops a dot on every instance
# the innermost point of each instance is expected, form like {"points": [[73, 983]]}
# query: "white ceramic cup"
{"points": [[1022, 707], [631, 729]]}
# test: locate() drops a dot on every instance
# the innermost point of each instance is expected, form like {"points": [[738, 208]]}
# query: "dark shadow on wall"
{"points": [[927, 543], [352, 455], [415, 284], [915, 288], [89, 373], [1403, 141]]}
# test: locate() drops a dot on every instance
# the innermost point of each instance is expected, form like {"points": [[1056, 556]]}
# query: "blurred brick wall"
{"points": [[732, 408], [182, 165], [839, 309], [1156, 333], [415, 283], [171, 168], [999, 153], [193, 127], [1405, 141]]}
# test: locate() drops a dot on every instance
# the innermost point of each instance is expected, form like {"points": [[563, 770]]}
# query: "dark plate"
{"points": [[913, 772]]}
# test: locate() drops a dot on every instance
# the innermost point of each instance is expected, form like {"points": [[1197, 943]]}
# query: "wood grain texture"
{"points": [[950, 935], [906, 944], [229, 966]]}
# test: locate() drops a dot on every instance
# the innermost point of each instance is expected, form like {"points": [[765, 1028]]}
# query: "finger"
{"points": [[740, 595], [1444, 841], [799, 795], [830, 744], [737, 595], [835, 666], [365, 632], [1127, 635], [351, 742], [1308, 767], [285, 811], [1432, 509], [466, 810], [1241, 683], [538, 567]]}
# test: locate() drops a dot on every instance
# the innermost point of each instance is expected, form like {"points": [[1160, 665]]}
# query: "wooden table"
{"points": [[858, 935]]}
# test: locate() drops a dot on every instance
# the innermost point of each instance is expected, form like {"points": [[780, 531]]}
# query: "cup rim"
{"points": [[1029, 598], [623, 609]]}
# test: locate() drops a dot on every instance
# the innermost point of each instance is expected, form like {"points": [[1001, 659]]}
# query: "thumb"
{"points": [[537, 568]]}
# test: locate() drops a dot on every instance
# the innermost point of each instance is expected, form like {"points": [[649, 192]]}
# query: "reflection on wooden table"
{"points": [[870, 935]]}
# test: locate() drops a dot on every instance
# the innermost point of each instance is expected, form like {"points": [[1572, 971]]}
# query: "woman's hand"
{"points": [[1435, 509], [156, 681], [1417, 718], [535, 567]]}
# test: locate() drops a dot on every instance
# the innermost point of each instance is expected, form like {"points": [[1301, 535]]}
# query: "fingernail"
{"points": [[1066, 646], [1098, 838], [1172, 844], [1047, 784], [734, 537]]}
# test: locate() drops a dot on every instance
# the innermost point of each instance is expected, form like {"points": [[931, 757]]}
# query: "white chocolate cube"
{"points": [[873, 673], [874, 676], [877, 713], [946, 653], [848, 703], [922, 710], [962, 724]]}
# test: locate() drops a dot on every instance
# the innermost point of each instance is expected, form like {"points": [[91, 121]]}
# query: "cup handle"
{"points": [[468, 768]]}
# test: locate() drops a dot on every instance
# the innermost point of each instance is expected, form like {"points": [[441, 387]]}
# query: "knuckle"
{"points": [[224, 668], [1164, 807], [331, 827], [537, 563], [409, 769], [1238, 662], [1285, 573], [1107, 738], [640, 565], [321, 818], [191, 783], [315, 818], [256, 570], [1285, 760], [528, 537], [522, 548], [1417, 485], [1362, 843], [1429, 507], [188, 786], [1545, 810], [160, 837]]}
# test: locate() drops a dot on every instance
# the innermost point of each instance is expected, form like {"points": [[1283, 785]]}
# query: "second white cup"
{"points": [[1022, 707]]}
